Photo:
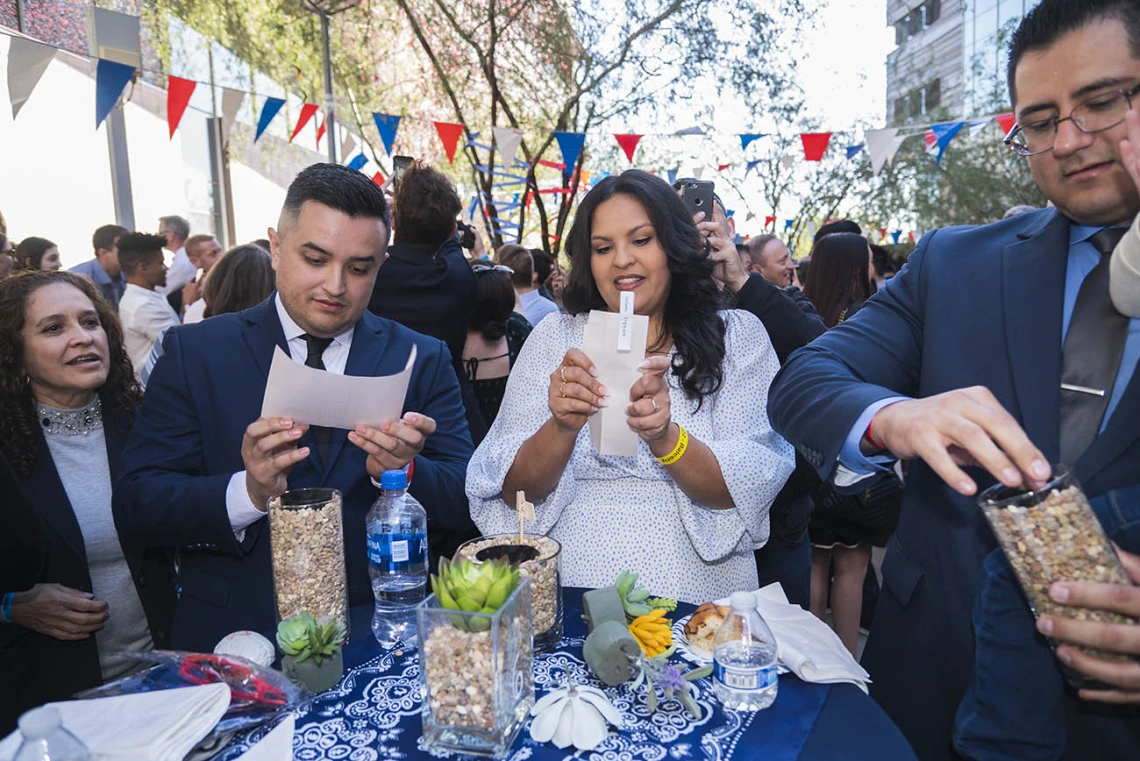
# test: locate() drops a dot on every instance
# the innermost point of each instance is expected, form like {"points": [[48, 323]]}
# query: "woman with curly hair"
{"points": [[690, 507], [67, 397]]}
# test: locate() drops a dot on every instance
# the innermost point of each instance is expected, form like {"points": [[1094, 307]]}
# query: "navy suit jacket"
{"points": [[186, 444], [973, 306]]}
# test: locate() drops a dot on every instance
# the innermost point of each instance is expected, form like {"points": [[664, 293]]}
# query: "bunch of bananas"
{"points": [[652, 631], [466, 585], [636, 600]]}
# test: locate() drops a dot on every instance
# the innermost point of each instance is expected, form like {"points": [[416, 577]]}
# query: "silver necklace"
{"points": [[59, 422]]}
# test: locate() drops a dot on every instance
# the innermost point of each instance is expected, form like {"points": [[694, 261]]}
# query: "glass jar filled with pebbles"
{"points": [[306, 540], [1051, 535]]}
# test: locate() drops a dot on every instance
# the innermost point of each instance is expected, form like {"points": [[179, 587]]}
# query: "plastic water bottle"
{"points": [[744, 658], [45, 739], [397, 559]]}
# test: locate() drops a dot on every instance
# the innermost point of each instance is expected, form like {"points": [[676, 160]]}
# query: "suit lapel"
{"points": [[1033, 290], [364, 357], [263, 332]]}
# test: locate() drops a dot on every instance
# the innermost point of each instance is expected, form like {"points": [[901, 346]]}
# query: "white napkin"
{"points": [[275, 746], [805, 644], [150, 726]]}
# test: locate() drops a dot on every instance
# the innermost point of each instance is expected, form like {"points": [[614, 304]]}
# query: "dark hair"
{"points": [[1053, 19], [176, 225], [691, 308], [802, 267], [882, 260], [106, 236], [542, 265], [30, 252], [521, 261], [18, 424], [137, 248], [338, 187], [756, 246], [837, 226], [495, 304], [426, 207], [263, 242], [243, 277], [838, 276]]}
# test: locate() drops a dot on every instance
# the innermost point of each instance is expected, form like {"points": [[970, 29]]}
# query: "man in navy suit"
{"points": [[965, 363], [201, 464]]}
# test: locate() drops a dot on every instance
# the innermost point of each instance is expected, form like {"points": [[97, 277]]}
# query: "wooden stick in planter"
{"points": [[526, 512]]}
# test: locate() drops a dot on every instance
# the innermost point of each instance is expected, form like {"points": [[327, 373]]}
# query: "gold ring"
{"points": [[562, 372], [655, 405], [562, 390]]}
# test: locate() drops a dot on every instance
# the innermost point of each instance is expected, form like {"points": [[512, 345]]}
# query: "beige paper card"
{"points": [[617, 370]]}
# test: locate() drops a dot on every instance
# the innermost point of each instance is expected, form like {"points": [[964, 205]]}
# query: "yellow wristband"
{"points": [[679, 450]]}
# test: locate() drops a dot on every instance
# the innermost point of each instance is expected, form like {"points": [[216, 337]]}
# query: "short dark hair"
{"points": [[495, 304], [756, 247], [882, 259], [106, 236], [521, 261], [838, 226], [542, 265], [1053, 19], [426, 208], [243, 277], [176, 225], [137, 248], [30, 251], [338, 187]]}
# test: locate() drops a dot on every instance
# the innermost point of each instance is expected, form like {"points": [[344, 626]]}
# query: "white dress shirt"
{"points": [[145, 314], [239, 506], [196, 312], [181, 272]]}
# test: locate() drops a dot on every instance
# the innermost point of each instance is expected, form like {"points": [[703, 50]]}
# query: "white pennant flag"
{"points": [[231, 104], [698, 172], [508, 141], [882, 145], [787, 161], [347, 145], [27, 62], [978, 125]]}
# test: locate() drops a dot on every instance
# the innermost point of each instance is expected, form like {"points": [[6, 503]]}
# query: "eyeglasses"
{"points": [[479, 269], [1096, 114]]}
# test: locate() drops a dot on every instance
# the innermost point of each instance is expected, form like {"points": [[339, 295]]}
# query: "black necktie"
{"points": [[321, 435], [1091, 358]]}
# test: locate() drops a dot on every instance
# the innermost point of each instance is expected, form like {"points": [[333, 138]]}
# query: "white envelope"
{"points": [[317, 397], [617, 371]]}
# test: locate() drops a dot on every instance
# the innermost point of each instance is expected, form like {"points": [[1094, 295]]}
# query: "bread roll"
{"points": [[701, 628]]}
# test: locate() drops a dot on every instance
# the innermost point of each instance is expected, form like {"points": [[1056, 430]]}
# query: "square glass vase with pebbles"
{"points": [[1051, 535]]}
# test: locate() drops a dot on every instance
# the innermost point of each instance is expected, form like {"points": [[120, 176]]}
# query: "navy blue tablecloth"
{"points": [[374, 714]]}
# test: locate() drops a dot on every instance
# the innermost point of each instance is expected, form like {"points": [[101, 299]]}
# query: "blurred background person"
{"points": [[37, 254], [521, 262], [67, 399], [203, 252], [176, 231], [836, 226], [494, 338], [543, 268], [104, 270], [7, 256], [771, 259], [145, 313], [883, 267]]}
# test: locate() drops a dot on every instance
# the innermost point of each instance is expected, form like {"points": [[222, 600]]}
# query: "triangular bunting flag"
{"points": [[348, 145], [307, 111], [788, 224], [110, 79], [268, 111], [178, 92], [945, 133], [815, 145], [378, 179], [746, 140], [931, 141], [570, 143], [896, 235], [751, 165], [787, 161], [698, 172], [882, 233], [449, 134], [722, 167], [881, 146], [358, 162], [628, 144], [1006, 121], [910, 237], [768, 221], [854, 150], [508, 141], [231, 104], [690, 131], [750, 217], [977, 125], [27, 62], [386, 125], [321, 130], [672, 174]]}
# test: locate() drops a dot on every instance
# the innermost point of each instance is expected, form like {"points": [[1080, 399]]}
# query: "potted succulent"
{"points": [[475, 649], [312, 650]]}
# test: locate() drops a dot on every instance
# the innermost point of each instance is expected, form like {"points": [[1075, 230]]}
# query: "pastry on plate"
{"points": [[701, 628]]}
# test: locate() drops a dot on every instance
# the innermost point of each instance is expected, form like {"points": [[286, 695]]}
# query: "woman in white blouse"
{"points": [[689, 509]]}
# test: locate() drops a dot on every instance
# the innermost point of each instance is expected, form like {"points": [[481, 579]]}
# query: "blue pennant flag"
{"points": [[853, 151], [751, 165], [746, 140], [896, 235], [268, 111], [729, 213], [358, 162], [788, 224], [571, 145], [672, 175], [945, 133], [474, 203], [386, 125], [110, 79]]}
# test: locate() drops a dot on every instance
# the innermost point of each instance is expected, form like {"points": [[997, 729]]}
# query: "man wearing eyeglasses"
{"points": [[992, 355]]}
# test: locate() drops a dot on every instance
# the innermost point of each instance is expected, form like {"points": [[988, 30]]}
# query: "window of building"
{"points": [[933, 11], [914, 22], [900, 109], [900, 33], [933, 97], [914, 108]]}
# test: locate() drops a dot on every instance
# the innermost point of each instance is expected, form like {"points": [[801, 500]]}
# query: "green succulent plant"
{"points": [[303, 637], [636, 600], [465, 585]]}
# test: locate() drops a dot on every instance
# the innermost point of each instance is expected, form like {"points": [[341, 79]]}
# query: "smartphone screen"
{"points": [[399, 166], [698, 196]]}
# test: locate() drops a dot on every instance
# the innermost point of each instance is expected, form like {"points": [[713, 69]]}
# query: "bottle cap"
{"points": [[39, 722], [394, 479], [743, 601]]}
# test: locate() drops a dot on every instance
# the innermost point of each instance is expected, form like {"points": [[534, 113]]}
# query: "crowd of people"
{"points": [[790, 415]]}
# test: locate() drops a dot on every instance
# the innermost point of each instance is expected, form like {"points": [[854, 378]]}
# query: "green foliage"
{"points": [[303, 636], [465, 585]]}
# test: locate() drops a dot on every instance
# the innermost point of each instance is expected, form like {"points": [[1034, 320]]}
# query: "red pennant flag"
{"points": [[910, 236], [815, 145], [307, 112], [449, 134], [321, 132], [378, 179], [1006, 121], [552, 165], [768, 221], [628, 144], [722, 167], [882, 233], [178, 92]]}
